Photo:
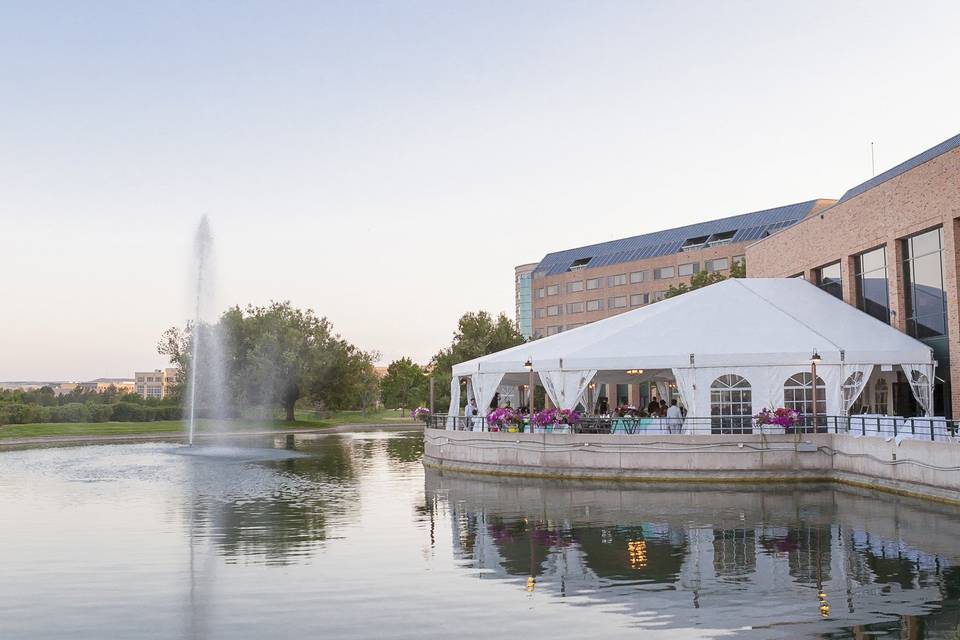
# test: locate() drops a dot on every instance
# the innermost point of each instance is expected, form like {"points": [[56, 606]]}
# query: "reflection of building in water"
{"points": [[789, 571]]}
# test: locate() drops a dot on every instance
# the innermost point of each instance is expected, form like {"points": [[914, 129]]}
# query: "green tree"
{"points": [[477, 334], [706, 278], [404, 385]]}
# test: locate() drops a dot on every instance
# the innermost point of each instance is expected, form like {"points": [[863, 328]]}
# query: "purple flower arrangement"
{"points": [[503, 417], [420, 413], [549, 417], [786, 418]]}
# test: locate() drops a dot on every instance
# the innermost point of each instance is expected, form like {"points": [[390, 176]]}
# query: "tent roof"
{"points": [[737, 322]]}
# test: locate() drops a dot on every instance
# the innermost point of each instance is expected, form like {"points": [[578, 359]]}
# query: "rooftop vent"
{"points": [[580, 263]]}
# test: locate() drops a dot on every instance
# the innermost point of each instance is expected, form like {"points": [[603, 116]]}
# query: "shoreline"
{"points": [[10, 444]]}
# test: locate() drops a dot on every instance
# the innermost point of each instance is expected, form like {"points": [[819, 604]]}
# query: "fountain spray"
{"points": [[202, 244]]}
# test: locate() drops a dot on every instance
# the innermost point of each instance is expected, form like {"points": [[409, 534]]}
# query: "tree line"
{"points": [[19, 406]]}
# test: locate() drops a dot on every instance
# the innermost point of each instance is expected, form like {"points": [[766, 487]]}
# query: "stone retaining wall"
{"points": [[914, 467]]}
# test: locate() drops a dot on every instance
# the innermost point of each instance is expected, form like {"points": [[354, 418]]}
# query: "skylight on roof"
{"points": [[723, 237], [580, 263]]}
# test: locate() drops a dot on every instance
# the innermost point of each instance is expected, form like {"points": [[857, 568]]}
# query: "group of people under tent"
{"points": [[654, 408]]}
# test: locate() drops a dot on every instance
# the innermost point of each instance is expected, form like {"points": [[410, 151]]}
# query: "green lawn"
{"points": [[304, 420]]}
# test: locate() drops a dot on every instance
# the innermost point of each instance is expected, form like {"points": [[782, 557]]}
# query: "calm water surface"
{"points": [[355, 540]]}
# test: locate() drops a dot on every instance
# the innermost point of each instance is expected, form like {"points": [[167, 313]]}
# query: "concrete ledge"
{"points": [[918, 468]]}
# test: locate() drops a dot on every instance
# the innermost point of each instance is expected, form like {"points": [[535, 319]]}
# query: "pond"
{"points": [[354, 539]]}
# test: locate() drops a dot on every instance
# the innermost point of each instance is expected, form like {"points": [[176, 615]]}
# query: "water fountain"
{"points": [[202, 245]]}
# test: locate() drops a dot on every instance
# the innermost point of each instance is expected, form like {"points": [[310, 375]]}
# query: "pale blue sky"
{"points": [[430, 145]]}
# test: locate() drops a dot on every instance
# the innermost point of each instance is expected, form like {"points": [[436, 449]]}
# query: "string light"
{"points": [[637, 549]]}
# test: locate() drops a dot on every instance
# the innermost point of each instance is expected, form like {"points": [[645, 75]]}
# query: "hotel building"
{"points": [[889, 246], [156, 384], [577, 286], [524, 298]]}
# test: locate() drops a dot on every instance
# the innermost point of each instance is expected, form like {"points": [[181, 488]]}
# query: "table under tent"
{"points": [[727, 351]]}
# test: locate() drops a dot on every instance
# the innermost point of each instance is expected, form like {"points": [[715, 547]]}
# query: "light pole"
{"points": [[814, 359], [529, 365]]}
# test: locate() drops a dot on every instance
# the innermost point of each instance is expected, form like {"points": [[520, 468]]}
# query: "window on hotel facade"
{"points": [[617, 280], [737, 260], [659, 295], [663, 273], [594, 305], [541, 292], [638, 299], [540, 313], [731, 405], [573, 287], [553, 290], [554, 330], [718, 264], [640, 276], [926, 298], [538, 333], [871, 277], [575, 307], [593, 283], [828, 279], [798, 394], [688, 269], [553, 310], [617, 303]]}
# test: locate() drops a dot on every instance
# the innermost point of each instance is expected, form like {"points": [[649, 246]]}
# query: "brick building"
{"points": [[577, 286], [889, 247]]}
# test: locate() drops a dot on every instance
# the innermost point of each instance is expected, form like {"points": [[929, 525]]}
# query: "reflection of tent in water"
{"points": [[693, 556], [631, 553]]}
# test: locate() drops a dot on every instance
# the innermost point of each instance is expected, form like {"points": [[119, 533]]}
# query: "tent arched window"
{"points": [[881, 397], [731, 405], [798, 394]]}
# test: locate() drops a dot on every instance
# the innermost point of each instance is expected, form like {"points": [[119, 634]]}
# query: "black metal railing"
{"points": [[935, 429]]}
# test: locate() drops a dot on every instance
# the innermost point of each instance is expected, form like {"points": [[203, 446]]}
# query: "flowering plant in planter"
{"points": [[504, 417], [420, 413], [549, 417], [786, 418]]}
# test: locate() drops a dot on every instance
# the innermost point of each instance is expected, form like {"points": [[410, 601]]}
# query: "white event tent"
{"points": [[763, 330]]}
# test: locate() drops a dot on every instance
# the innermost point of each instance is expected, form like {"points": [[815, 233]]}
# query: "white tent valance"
{"points": [[764, 328]]}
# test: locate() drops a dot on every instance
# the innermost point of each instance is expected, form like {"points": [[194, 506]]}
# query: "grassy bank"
{"points": [[305, 420]]}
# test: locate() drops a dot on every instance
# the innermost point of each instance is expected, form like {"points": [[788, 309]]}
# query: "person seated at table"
{"points": [[653, 408], [602, 407], [663, 408]]}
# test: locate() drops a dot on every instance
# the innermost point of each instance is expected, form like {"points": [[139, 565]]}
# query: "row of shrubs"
{"points": [[16, 413]]}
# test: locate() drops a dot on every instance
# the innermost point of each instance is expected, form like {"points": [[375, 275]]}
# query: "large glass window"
{"points": [[871, 277], [638, 299], [623, 394], [541, 313], [617, 303], [828, 279], [663, 273], [552, 331], [573, 287], [575, 307], [553, 290], [593, 283], [553, 310], [639, 276], [881, 397], [688, 269], [731, 405], [719, 264], [617, 280], [594, 305], [926, 298]]}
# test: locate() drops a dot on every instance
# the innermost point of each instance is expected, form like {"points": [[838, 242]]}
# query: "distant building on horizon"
{"points": [[99, 385], [156, 384]]}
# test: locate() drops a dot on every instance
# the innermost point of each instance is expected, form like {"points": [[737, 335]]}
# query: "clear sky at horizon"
{"points": [[387, 164]]}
